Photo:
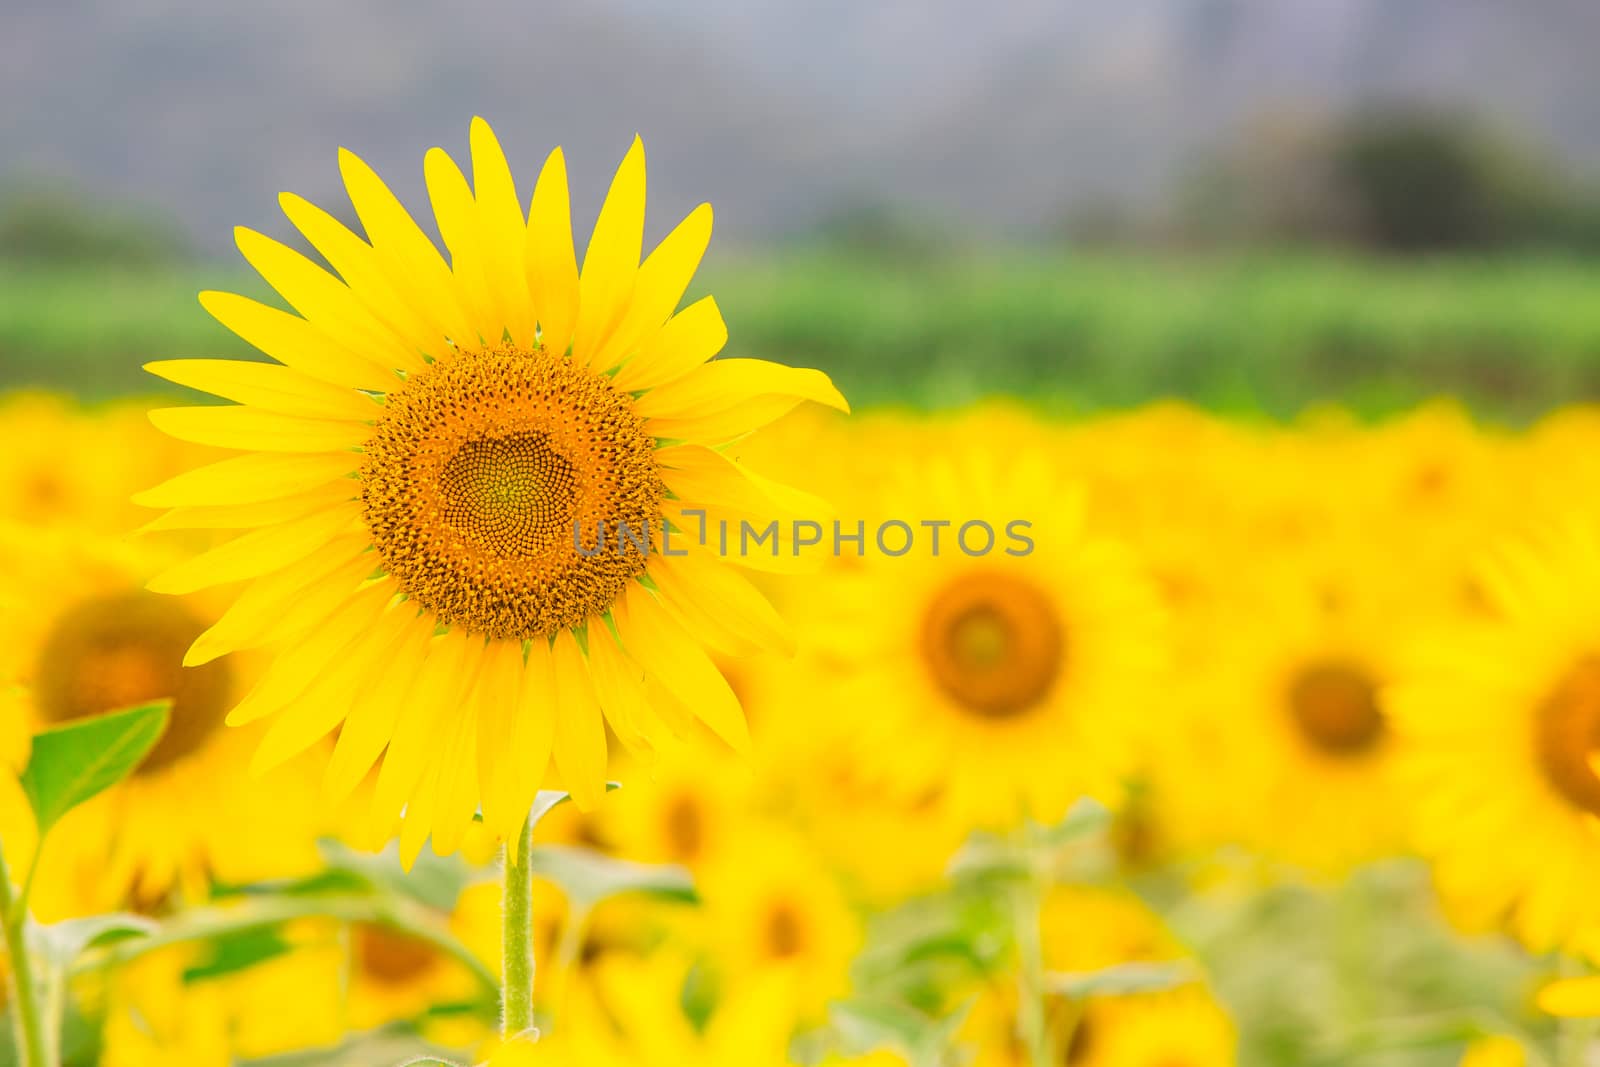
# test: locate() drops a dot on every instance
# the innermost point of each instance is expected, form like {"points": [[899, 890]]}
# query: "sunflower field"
{"points": [[488, 663]]}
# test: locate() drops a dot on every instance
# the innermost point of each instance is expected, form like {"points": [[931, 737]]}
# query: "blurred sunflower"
{"points": [[79, 466], [82, 636], [1500, 719], [1183, 1026], [177, 1006], [683, 811], [421, 468], [1005, 670], [397, 977], [1300, 751], [773, 914]]}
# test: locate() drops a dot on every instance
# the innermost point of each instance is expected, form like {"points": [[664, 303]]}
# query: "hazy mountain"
{"points": [[778, 112]]}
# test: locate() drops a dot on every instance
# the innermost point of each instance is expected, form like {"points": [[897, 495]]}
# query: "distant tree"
{"points": [[883, 231], [1398, 179], [1425, 180], [43, 225]]}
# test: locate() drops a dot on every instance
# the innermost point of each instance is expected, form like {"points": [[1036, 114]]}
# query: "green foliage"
{"points": [[77, 760], [44, 226], [588, 877], [1254, 334], [60, 944]]}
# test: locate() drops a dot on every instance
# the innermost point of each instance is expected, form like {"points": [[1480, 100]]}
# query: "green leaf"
{"points": [[63, 942], [435, 881], [1123, 979], [237, 951], [1086, 818], [867, 1024], [545, 800], [587, 877], [74, 761]]}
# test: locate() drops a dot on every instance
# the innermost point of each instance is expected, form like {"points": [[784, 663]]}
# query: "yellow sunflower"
{"points": [[1181, 1028], [67, 464], [396, 977], [165, 1008], [772, 913], [82, 636], [684, 811], [427, 472], [1002, 671], [1500, 718], [1290, 714]]}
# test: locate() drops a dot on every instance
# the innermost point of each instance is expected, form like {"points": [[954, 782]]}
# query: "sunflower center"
{"points": [[993, 643], [484, 475], [390, 958], [1567, 734], [125, 649], [785, 932], [1335, 706], [685, 829]]}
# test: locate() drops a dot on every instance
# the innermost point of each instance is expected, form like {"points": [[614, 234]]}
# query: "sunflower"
{"points": [[1297, 752], [1500, 718], [397, 977], [436, 476], [169, 1007], [772, 913], [684, 811], [1005, 669], [78, 466], [82, 636], [1180, 1028]]}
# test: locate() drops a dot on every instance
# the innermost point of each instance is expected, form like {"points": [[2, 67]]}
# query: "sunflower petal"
{"points": [[720, 605], [729, 424], [552, 261], [663, 278], [611, 261], [250, 480], [293, 672], [496, 702], [458, 226], [423, 720], [296, 343], [501, 232], [580, 736], [256, 553], [326, 702], [727, 383], [322, 299], [688, 339], [362, 270], [268, 386], [533, 734], [658, 643], [413, 264], [374, 713], [287, 600], [232, 426], [262, 513]]}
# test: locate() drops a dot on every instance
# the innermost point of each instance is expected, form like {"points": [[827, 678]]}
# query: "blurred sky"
{"points": [[989, 118]]}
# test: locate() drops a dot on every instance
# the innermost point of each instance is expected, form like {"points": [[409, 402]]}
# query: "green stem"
{"points": [[517, 937], [1031, 1017], [32, 1040]]}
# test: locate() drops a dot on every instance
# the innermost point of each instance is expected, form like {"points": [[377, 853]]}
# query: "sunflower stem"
{"points": [[27, 1016], [1032, 1018], [516, 994]]}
